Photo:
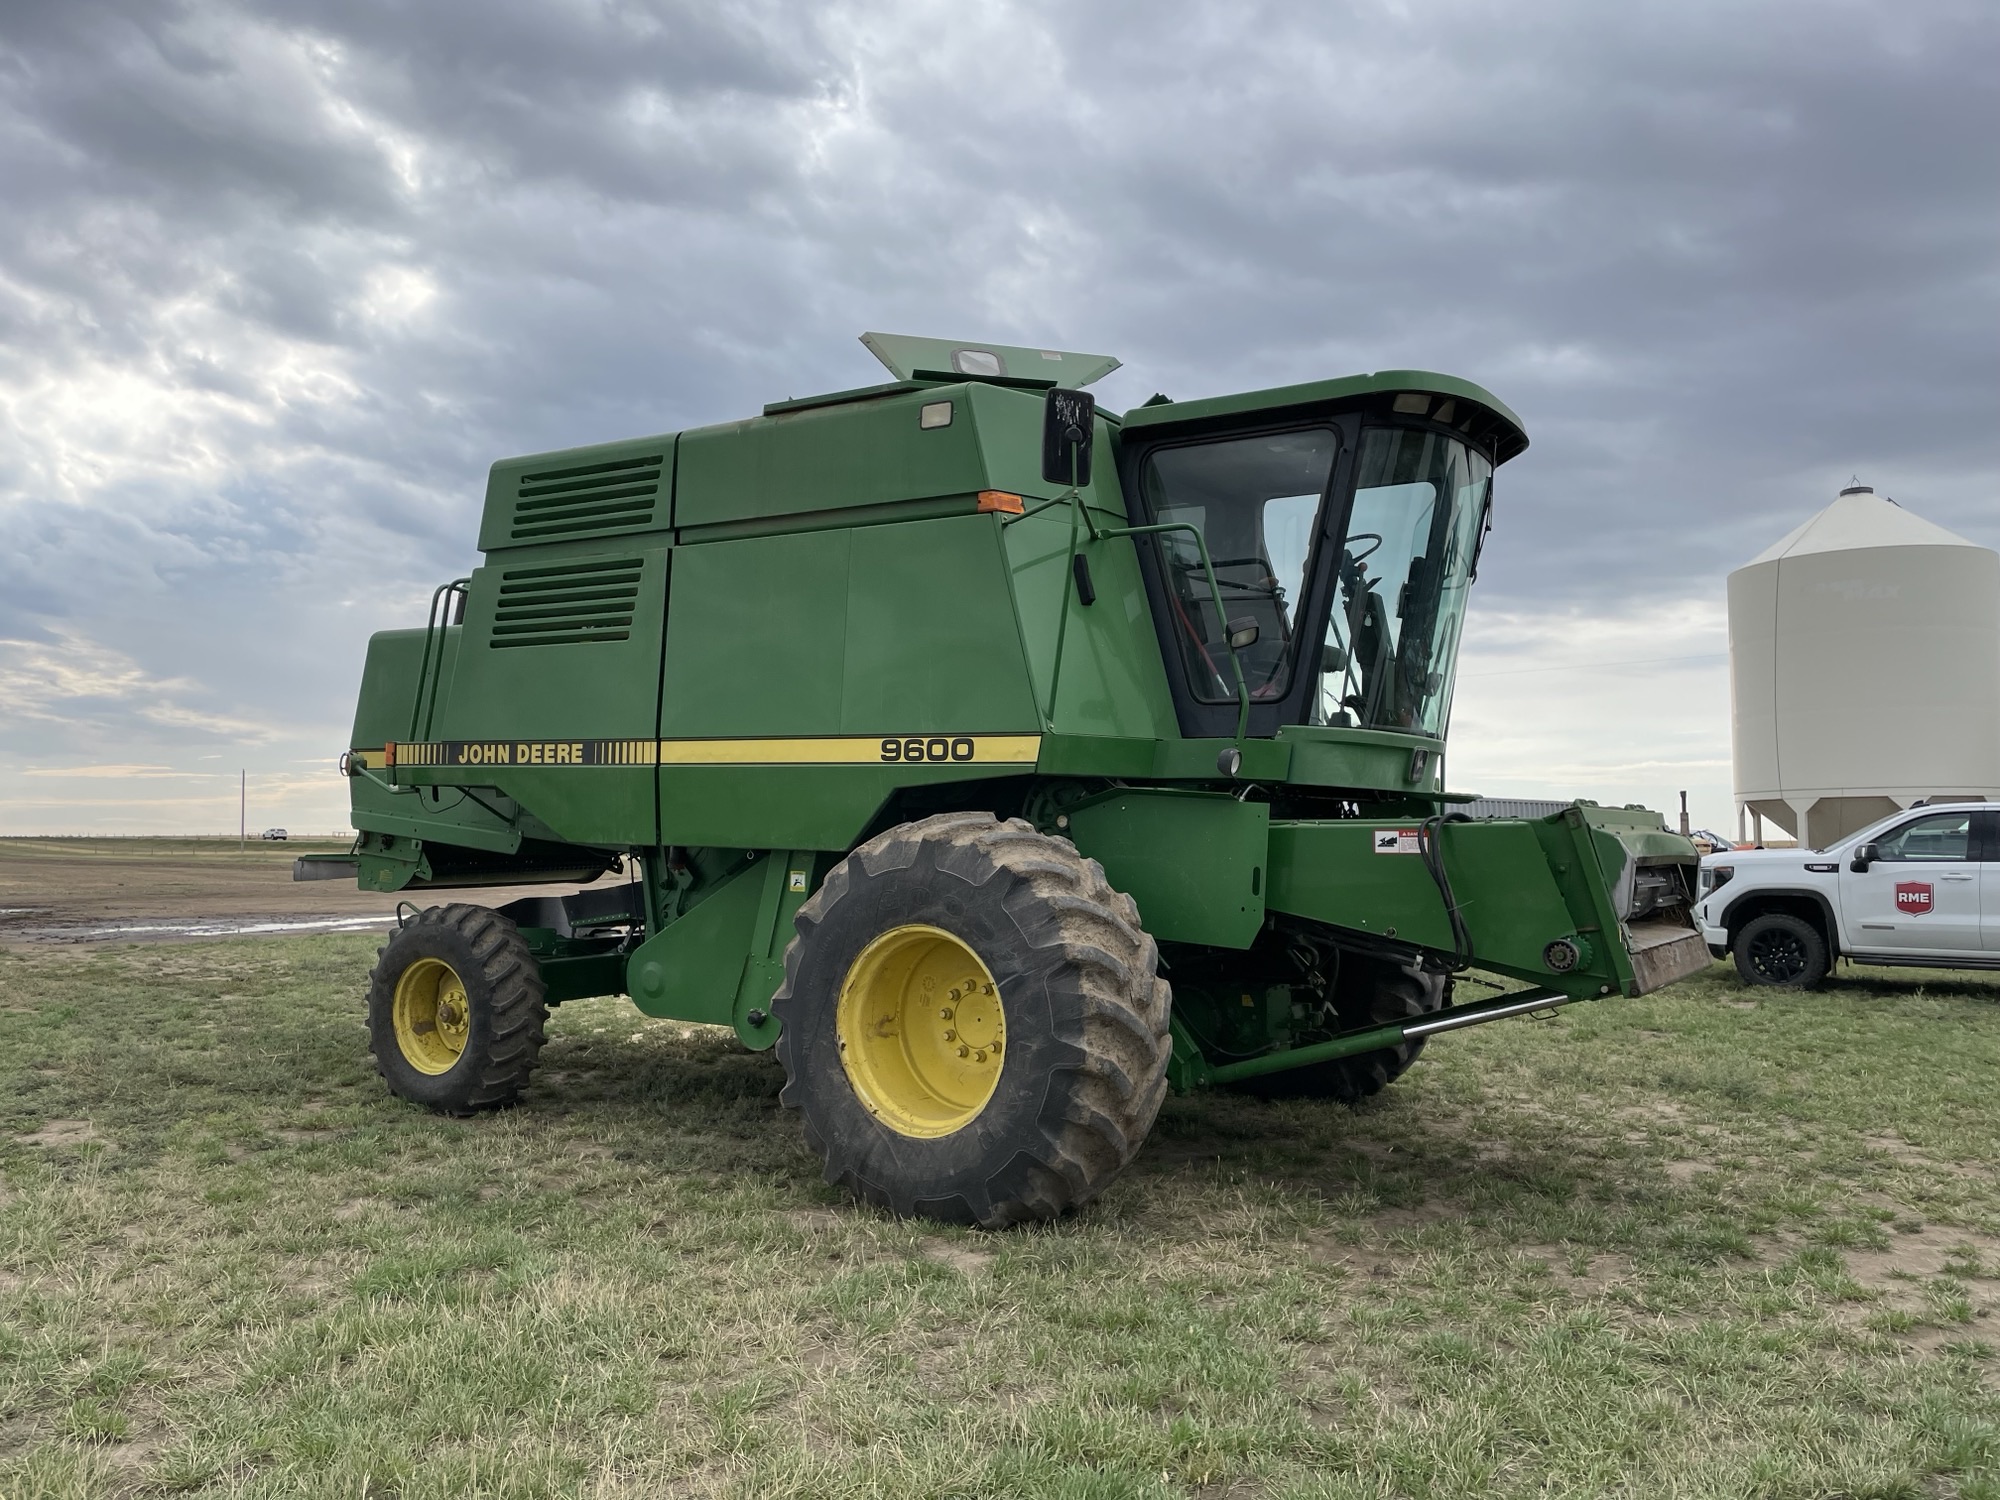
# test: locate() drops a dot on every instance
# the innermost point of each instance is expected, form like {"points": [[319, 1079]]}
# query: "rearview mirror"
{"points": [[1069, 419], [1243, 633], [1865, 856]]}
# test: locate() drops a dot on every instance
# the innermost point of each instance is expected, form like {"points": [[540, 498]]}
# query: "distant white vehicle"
{"points": [[1921, 887], [274, 833]]}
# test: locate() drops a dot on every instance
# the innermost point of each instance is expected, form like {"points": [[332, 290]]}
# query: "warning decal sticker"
{"points": [[1396, 841]]}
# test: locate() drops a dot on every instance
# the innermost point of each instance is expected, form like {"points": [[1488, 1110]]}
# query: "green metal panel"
{"points": [[1193, 861], [389, 684], [856, 635], [691, 969], [722, 960], [1009, 423], [790, 877], [757, 638], [1112, 680], [931, 640], [827, 458], [1376, 758]]}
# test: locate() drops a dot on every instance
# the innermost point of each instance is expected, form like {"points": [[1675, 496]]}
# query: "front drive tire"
{"points": [[1780, 949], [456, 1010], [974, 1029]]}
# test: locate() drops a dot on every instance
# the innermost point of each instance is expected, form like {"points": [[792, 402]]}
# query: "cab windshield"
{"points": [[1405, 567]]}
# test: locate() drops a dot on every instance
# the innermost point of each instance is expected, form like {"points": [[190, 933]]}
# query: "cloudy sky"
{"points": [[278, 282]]}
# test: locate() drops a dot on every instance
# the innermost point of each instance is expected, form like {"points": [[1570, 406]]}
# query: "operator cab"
{"points": [[1343, 520]]}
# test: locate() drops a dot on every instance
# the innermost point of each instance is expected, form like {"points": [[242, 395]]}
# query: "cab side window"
{"points": [[1942, 836]]}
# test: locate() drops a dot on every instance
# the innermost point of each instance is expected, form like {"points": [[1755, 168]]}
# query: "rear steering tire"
{"points": [[974, 1028], [1780, 949], [456, 1010]]}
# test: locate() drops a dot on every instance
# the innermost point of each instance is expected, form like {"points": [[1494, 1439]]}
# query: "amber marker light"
{"points": [[999, 500]]}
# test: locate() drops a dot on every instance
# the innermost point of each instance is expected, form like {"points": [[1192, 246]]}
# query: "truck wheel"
{"points": [[1372, 992], [974, 1029], [1781, 949], [456, 1009]]}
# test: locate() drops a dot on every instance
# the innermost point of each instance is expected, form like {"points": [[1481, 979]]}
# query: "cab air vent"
{"points": [[575, 604], [596, 498]]}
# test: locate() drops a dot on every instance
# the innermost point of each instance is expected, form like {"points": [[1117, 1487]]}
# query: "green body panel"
{"points": [[692, 967], [729, 655], [1362, 757], [722, 960], [1193, 861], [820, 458], [875, 630], [1112, 683]]}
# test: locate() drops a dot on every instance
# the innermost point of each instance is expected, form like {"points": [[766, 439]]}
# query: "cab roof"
{"points": [[1444, 398]]}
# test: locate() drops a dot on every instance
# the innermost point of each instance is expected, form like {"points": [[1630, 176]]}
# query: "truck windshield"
{"points": [[1255, 501], [1405, 564]]}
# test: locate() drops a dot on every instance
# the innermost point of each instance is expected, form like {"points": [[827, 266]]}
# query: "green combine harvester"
{"points": [[1001, 762]]}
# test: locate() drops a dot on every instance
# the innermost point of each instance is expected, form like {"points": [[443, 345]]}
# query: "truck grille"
{"points": [[618, 496], [567, 605]]}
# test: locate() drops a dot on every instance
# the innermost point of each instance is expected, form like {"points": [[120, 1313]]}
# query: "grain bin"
{"points": [[1864, 662]]}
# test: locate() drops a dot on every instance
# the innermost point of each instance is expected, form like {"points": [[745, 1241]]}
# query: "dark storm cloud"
{"points": [[277, 282]]}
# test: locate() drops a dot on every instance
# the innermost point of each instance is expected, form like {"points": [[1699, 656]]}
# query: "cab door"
{"points": [[1921, 894]]}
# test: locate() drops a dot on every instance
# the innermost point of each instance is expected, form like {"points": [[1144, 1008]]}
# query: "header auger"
{"points": [[1002, 762]]}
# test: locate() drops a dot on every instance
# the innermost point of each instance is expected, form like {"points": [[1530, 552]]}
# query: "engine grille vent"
{"points": [[567, 605], [617, 496]]}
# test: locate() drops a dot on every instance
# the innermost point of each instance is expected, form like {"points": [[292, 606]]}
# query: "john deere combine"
{"points": [[1001, 762]]}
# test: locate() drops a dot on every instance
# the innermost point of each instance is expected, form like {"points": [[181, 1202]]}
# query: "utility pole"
{"points": [[243, 811]]}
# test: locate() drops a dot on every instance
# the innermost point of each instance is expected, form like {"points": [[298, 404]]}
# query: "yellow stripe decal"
{"points": [[842, 750]]}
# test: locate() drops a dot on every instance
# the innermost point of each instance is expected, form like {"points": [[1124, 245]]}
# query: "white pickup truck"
{"points": [[1922, 887]]}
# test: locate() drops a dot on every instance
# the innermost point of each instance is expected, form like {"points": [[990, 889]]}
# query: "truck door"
{"points": [[1921, 894], [1987, 827]]}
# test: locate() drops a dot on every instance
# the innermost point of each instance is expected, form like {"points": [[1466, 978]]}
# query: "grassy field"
{"points": [[1700, 1244]]}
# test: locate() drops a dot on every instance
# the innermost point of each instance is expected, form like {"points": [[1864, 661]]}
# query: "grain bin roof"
{"points": [[1859, 519]]}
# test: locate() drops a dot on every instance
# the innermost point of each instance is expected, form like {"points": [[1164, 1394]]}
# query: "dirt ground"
{"points": [[86, 890]]}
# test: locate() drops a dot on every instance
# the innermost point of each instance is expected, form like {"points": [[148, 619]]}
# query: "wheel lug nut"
{"points": [[964, 1051], [951, 1036], [945, 1014]]}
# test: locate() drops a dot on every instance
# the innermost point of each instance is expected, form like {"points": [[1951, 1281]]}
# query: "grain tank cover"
{"points": [[1864, 656], [909, 357]]}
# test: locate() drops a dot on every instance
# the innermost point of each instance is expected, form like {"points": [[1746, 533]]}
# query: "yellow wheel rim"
{"points": [[433, 1016], [921, 1031]]}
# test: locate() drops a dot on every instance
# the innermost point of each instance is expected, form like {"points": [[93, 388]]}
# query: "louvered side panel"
{"points": [[563, 604], [565, 647], [612, 491]]}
